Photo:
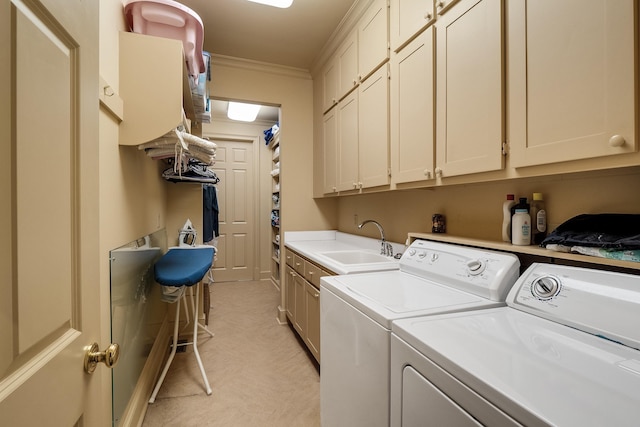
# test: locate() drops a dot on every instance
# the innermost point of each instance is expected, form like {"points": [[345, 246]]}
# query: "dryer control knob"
{"points": [[545, 287], [475, 266]]}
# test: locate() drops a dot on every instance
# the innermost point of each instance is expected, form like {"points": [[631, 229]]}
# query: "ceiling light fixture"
{"points": [[242, 112], [283, 4]]}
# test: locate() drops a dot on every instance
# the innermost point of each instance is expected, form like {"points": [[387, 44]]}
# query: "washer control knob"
{"points": [[412, 252], [434, 256], [475, 266], [422, 254], [545, 287]]}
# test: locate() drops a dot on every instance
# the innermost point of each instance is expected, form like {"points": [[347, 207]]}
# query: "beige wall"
{"points": [[132, 193], [475, 210], [293, 90]]}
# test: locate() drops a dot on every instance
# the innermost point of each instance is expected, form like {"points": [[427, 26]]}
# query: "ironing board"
{"points": [[184, 267]]}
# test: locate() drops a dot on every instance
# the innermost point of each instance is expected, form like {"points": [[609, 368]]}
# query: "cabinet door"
{"points": [[312, 338], [469, 88], [442, 6], [571, 80], [373, 38], [412, 111], [408, 18], [290, 296], [300, 308], [330, 151], [348, 142], [347, 58], [329, 85], [373, 129]]}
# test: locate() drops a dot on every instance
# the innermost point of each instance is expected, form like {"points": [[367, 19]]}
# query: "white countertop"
{"points": [[312, 244]]}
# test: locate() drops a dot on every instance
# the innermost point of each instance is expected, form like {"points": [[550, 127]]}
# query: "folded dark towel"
{"points": [[607, 230]]}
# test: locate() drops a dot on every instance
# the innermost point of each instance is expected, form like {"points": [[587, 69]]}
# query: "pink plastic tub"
{"points": [[170, 19]]}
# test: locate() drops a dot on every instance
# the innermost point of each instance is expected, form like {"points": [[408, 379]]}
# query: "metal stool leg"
{"points": [[171, 355], [196, 323]]}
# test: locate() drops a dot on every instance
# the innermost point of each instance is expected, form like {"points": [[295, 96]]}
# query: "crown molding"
{"points": [[263, 67], [348, 23]]}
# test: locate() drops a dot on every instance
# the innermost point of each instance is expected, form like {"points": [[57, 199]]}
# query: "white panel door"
{"points": [[49, 222], [236, 249], [572, 85], [469, 123]]}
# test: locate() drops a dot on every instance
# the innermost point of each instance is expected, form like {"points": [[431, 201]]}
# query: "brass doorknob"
{"points": [[93, 356]]}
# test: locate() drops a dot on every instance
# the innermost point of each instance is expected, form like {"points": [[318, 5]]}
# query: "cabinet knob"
{"points": [[427, 173], [440, 4], [355, 82], [438, 172], [616, 141], [427, 16]]}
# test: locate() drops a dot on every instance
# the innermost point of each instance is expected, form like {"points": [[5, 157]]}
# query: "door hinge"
{"points": [[505, 148]]}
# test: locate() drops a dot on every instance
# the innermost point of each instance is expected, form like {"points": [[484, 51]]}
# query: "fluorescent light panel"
{"points": [[242, 112], [283, 4]]}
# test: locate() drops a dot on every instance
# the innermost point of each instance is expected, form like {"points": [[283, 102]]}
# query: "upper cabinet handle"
{"points": [[616, 141]]}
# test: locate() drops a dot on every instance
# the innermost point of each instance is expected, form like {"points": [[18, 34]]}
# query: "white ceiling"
{"points": [[292, 37]]}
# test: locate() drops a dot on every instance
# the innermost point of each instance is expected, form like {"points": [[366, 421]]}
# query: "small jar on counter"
{"points": [[438, 223]]}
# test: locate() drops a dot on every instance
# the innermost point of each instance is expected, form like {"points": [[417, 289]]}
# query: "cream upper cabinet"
{"points": [[571, 80], [469, 114], [347, 63], [407, 18], [330, 151], [373, 130], [373, 38], [347, 164], [442, 6], [412, 110], [157, 103], [329, 85]]}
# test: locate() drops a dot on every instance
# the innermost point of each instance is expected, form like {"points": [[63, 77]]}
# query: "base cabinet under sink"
{"points": [[302, 299]]}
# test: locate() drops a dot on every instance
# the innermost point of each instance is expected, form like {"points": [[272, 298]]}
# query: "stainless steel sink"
{"points": [[356, 257]]}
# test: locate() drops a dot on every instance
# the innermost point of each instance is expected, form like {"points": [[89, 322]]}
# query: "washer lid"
{"points": [[390, 295], [531, 368]]}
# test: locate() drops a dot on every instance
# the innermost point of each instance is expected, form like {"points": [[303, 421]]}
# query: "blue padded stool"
{"points": [[179, 268]]}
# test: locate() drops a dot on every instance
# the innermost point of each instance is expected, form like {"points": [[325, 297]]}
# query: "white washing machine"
{"points": [[563, 352], [356, 312]]}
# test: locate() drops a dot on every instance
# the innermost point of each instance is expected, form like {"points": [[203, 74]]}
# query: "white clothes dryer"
{"points": [[356, 312], [563, 352]]}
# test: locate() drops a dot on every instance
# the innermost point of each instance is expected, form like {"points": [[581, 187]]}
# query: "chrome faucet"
{"points": [[385, 248]]}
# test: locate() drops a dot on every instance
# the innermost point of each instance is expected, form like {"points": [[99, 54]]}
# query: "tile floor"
{"points": [[259, 372]]}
